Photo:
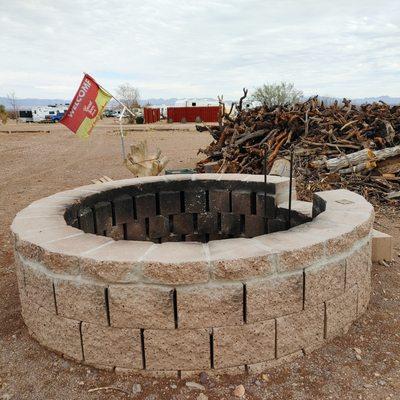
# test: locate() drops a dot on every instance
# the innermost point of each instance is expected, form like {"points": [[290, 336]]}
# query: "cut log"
{"points": [[353, 159], [280, 167]]}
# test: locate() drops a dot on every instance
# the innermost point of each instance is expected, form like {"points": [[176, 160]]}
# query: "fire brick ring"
{"points": [[198, 285]]}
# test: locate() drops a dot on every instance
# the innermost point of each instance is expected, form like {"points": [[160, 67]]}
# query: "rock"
{"points": [[368, 386], [173, 386], [358, 357], [381, 382], [257, 383], [136, 388], [357, 350], [239, 391], [203, 378], [65, 364], [265, 377], [81, 383], [151, 397], [202, 396], [194, 385]]}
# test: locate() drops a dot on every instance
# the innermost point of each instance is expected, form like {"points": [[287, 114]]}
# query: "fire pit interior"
{"points": [[174, 275], [186, 210]]}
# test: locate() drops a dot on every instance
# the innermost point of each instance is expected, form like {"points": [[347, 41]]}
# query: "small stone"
{"points": [[195, 385], [173, 386], [151, 397], [377, 374], [81, 383], [265, 377], [368, 386], [203, 378], [202, 396], [358, 357], [136, 388], [239, 391], [381, 382], [257, 383], [357, 350], [65, 364]]}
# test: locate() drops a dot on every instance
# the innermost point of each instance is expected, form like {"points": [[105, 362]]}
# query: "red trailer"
{"points": [[190, 114], [151, 115]]}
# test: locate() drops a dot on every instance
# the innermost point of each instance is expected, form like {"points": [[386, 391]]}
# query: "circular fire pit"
{"points": [[180, 274]]}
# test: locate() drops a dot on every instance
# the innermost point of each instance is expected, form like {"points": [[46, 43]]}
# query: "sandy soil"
{"points": [[37, 164]]}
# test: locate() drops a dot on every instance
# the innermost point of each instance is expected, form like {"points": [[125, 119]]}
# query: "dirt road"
{"points": [[34, 165]]}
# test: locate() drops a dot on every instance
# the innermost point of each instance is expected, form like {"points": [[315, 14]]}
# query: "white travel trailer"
{"points": [[43, 113], [194, 102]]}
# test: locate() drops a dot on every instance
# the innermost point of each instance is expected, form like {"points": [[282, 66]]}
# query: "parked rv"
{"points": [[51, 113]]}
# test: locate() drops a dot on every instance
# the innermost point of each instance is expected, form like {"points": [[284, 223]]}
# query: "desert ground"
{"points": [[37, 160]]}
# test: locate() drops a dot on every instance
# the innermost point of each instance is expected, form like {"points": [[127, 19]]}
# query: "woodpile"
{"points": [[335, 146]]}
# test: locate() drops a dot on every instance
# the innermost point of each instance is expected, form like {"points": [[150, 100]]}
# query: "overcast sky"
{"points": [[200, 48]]}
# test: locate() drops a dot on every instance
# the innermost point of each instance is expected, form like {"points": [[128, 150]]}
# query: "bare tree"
{"points": [[129, 95], [12, 99], [277, 94]]}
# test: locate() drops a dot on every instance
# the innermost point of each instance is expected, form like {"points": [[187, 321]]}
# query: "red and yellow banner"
{"points": [[86, 107]]}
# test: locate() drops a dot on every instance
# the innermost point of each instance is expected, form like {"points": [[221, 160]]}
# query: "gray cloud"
{"points": [[192, 48]]}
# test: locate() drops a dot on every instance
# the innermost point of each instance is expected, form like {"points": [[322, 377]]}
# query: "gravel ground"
{"points": [[37, 164]]}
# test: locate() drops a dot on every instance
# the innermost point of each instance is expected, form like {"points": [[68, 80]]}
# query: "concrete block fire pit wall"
{"points": [[173, 275]]}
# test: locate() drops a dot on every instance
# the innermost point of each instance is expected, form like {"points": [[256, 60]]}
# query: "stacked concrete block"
{"points": [[177, 308]]}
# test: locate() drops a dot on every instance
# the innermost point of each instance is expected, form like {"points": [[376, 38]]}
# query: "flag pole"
{"points": [[121, 130]]}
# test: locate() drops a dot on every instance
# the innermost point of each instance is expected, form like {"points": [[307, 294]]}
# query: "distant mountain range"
{"points": [[33, 102]]}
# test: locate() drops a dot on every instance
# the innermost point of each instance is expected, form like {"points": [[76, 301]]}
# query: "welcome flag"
{"points": [[86, 107]]}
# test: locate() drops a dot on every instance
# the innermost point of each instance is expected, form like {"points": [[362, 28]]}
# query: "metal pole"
{"points": [[121, 132], [265, 190], [290, 189]]}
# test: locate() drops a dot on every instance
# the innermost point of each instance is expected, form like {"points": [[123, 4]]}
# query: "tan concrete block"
{"points": [[112, 346], [239, 258], [358, 265], [179, 349], [364, 293], [81, 301], [22, 225], [342, 242], [19, 271], [300, 330], [29, 250], [324, 282], [299, 257], [39, 288], [382, 246], [63, 255], [264, 366], [55, 332], [246, 344], [274, 296], [29, 243], [341, 312], [141, 306], [297, 248], [176, 263], [116, 262], [210, 305]]}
